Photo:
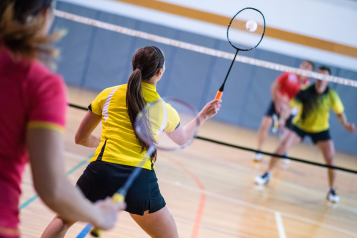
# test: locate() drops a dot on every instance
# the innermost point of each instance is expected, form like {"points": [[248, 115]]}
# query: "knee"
{"points": [[266, 123]]}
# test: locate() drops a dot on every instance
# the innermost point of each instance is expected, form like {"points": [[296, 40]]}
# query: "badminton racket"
{"points": [[180, 123], [245, 32]]}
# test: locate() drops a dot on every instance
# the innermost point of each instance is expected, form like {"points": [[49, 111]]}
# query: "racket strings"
{"points": [[166, 116], [246, 29]]}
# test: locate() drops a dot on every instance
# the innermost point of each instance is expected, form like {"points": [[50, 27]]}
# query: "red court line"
{"points": [[201, 205]]}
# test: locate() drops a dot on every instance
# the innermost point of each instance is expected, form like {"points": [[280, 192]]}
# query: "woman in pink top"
{"points": [[32, 119]]}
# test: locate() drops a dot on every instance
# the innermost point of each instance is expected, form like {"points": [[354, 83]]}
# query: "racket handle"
{"points": [[219, 95], [118, 197]]}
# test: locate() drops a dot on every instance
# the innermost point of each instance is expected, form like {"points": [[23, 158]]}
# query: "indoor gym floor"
{"points": [[210, 192]]}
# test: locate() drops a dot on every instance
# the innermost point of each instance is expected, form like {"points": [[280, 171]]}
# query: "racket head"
{"points": [[238, 33], [165, 117]]}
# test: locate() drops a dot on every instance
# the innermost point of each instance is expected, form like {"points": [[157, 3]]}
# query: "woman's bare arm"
{"points": [[84, 134], [46, 156]]}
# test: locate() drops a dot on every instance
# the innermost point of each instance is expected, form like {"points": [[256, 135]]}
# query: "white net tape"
{"points": [[201, 49]]}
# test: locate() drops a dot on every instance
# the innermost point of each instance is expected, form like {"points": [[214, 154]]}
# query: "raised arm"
{"points": [[46, 156], [182, 135]]}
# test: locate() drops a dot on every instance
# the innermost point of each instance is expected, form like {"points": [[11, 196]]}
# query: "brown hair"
{"points": [[21, 22], [146, 62], [311, 63]]}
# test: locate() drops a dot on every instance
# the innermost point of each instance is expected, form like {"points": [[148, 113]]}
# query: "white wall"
{"points": [[332, 20]]}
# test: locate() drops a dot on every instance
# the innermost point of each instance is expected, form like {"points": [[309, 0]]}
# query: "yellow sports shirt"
{"points": [[119, 144], [317, 120]]}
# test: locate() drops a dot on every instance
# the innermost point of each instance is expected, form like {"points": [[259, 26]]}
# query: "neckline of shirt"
{"points": [[148, 86]]}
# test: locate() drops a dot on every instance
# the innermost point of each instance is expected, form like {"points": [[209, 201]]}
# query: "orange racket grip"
{"points": [[116, 198], [219, 95]]}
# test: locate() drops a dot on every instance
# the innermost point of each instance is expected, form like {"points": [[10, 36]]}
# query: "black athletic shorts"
{"points": [[271, 111], [102, 179], [315, 137]]}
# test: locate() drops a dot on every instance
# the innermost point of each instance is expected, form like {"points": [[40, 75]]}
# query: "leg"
{"points": [[290, 138], [328, 151], [159, 224], [263, 131], [56, 229]]}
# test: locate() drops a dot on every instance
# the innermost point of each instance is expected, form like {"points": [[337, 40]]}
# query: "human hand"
{"points": [[281, 124], [350, 127], [210, 109], [107, 213], [277, 107]]}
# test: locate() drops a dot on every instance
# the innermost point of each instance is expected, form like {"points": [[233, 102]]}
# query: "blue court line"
{"points": [[85, 231], [25, 204]]}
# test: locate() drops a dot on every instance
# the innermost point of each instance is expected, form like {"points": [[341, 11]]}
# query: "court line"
{"points": [[85, 231], [30, 200], [201, 205], [251, 170], [237, 201], [279, 224]]}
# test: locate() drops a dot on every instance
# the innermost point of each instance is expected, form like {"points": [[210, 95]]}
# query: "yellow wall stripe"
{"points": [[223, 21]]}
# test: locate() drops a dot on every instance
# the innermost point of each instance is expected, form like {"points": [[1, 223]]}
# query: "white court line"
{"points": [[279, 224], [237, 201]]}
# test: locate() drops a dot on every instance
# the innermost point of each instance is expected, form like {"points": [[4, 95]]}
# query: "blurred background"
{"points": [[209, 187], [321, 31]]}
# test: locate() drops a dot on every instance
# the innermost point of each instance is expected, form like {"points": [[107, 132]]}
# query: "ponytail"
{"points": [[135, 102], [146, 62], [22, 36]]}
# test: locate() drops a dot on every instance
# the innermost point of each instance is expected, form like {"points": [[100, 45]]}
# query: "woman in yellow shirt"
{"points": [[314, 103], [119, 150]]}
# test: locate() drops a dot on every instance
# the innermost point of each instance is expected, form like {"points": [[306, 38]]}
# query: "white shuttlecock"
{"points": [[251, 25]]}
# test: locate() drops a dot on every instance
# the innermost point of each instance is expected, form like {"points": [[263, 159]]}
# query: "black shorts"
{"points": [[102, 179], [315, 137], [271, 111]]}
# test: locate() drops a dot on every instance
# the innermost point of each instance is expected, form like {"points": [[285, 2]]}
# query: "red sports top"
{"points": [[30, 96], [290, 85]]}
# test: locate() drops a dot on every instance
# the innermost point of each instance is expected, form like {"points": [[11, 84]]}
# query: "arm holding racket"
{"points": [[182, 134], [46, 157], [285, 113]]}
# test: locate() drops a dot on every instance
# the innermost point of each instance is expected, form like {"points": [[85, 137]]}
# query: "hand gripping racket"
{"points": [[180, 122], [245, 32]]}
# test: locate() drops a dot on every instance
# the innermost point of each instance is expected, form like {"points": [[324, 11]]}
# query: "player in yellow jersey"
{"points": [[312, 120], [119, 150]]}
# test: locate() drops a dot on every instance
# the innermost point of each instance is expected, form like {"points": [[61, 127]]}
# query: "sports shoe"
{"points": [[286, 160], [258, 157], [264, 179], [332, 196]]}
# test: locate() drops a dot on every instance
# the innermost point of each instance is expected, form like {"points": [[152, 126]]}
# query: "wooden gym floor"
{"points": [[210, 192]]}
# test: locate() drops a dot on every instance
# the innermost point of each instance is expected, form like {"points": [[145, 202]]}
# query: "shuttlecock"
{"points": [[251, 25]]}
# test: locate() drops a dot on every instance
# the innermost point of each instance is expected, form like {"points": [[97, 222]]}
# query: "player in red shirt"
{"points": [[32, 119], [283, 89]]}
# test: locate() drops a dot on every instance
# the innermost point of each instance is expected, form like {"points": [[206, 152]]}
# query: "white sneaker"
{"points": [[286, 160], [332, 196], [258, 157], [263, 179]]}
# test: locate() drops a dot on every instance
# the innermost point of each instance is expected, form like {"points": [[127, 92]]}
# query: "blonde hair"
{"points": [[22, 34]]}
